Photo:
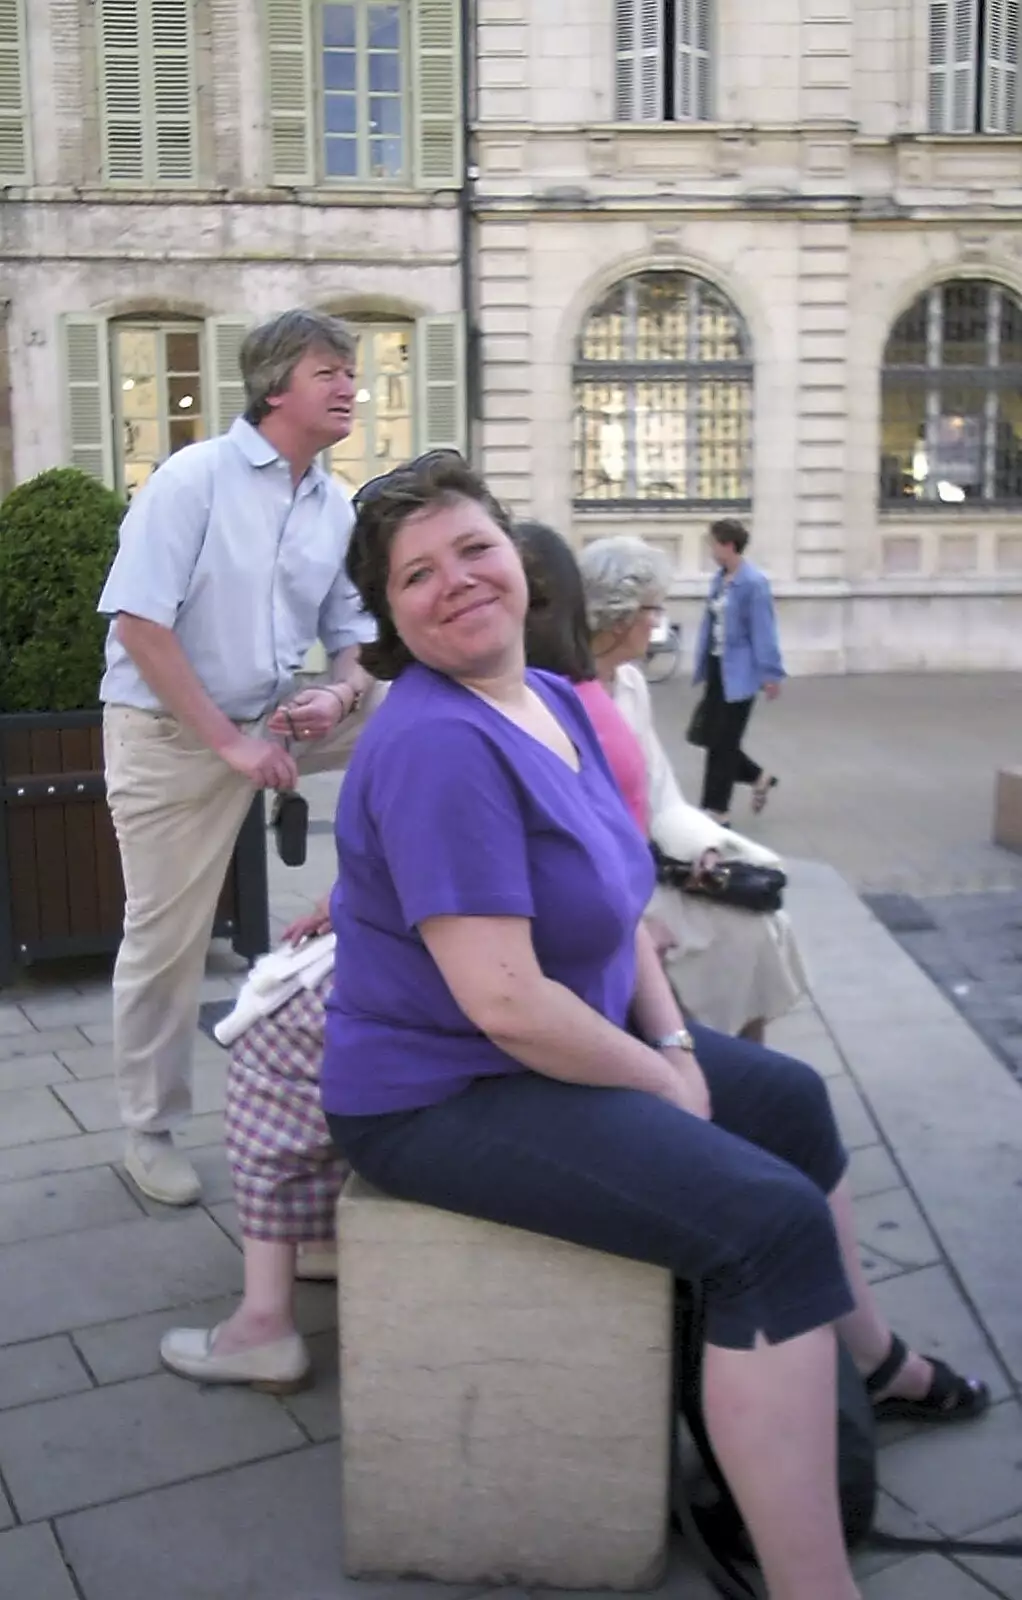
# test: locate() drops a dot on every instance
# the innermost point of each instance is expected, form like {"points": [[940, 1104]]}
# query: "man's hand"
{"points": [[311, 714], [772, 690], [692, 1092], [263, 763], [309, 926]]}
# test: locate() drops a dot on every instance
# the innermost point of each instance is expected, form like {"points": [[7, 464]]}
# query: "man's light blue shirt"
{"points": [[247, 569]]}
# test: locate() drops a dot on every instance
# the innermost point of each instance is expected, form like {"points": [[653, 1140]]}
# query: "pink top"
{"points": [[621, 748]]}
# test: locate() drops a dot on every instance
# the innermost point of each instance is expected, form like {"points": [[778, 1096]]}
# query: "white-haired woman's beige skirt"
{"points": [[731, 967]]}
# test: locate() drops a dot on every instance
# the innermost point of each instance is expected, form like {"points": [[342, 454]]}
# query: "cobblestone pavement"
{"points": [[119, 1480]]}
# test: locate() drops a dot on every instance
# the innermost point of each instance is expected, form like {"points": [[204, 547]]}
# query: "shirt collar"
{"points": [[258, 450]]}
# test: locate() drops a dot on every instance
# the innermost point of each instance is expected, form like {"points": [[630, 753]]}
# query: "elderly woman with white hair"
{"points": [[734, 970]]}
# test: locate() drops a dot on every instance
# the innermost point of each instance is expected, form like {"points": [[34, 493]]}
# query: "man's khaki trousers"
{"points": [[177, 810]]}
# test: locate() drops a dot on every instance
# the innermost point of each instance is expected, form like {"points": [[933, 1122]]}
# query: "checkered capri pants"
{"points": [[286, 1171]]}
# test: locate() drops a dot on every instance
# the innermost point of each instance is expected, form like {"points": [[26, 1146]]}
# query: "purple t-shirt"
{"points": [[448, 808]]}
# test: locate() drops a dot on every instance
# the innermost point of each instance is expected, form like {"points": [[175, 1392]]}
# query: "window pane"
{"points": [[384, 28], [385, 158], [182, 352], [385, 74], [384, 433], [338, 69], [385, 116], [339, 27], [341, 115], [183, 396], [185, 430], [341, 158]]}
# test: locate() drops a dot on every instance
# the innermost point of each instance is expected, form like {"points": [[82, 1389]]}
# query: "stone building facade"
{"points": [[653, 261]]}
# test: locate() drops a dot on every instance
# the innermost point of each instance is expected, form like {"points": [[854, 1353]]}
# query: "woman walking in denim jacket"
{"points": [[737, 655]]}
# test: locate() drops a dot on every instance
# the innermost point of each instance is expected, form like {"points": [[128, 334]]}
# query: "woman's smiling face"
{"points": [[457, 591]]}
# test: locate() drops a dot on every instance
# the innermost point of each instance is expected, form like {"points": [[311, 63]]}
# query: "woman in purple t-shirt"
{"points": [[501, 1040]]}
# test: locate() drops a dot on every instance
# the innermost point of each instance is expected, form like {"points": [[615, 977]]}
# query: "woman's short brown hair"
{"points": [[382, 507]]}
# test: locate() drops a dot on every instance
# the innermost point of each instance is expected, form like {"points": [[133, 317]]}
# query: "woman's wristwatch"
{"points": [[681, 1039]]}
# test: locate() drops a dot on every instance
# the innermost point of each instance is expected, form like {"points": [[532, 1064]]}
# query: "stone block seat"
{"points": [[505, 1403], [1008, 808]]}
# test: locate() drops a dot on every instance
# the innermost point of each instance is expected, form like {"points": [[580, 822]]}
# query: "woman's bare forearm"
{"points": [[654, 1006]]}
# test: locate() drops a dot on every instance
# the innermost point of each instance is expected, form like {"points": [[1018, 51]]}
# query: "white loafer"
{"points": [[277, 1368]]}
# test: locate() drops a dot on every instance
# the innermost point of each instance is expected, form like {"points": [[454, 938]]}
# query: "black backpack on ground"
{"points": [[704, 1510]]}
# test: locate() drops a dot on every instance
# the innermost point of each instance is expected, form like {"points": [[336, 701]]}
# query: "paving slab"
{"points": [[891, 1517], [31, 1115], [114, 1351], [35, 1043], [31, 1072], [893, 1226], [32, 1567], [93, 1103], [872, 1170], [928, 1577], [945, 1102], [87, 1449], [60, 1155], [98, 1032], [959, 1478], [318, 1409], [6, 1521], [13, 1021], [87, 1060], [70, 1281], [264, 1532], [1003, 1573], [43, 1369], [60, 1009], [63, 1203], [854, 1120]]}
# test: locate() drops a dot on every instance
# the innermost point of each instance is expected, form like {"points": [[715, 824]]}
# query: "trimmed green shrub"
{"points": [[58, 535]]}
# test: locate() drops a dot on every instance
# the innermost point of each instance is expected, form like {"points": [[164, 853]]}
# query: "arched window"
{"points": [[159, 393], [951, 427], [663, 397]]}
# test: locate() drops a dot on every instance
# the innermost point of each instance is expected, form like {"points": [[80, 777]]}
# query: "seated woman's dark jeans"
{"points": [[738, 1204]]}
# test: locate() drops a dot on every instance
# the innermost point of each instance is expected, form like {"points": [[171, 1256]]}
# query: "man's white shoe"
{"points": [[277, 1368], [160, 1171]]}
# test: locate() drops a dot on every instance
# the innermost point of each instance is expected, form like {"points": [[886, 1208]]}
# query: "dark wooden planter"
{"points": [[59, 867]]}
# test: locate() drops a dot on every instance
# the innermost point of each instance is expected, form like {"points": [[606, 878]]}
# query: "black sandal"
{"points": [[950, 1397]]}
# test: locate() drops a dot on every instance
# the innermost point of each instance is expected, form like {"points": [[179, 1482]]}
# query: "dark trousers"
{"points": [[726, 761], [737, 1204]]}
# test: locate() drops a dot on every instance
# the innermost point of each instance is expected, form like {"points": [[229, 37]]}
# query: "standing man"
{"points": [[230, 566], [738, 654]]}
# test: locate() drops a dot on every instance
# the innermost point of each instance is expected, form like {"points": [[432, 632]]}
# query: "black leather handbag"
{"points": [[728, 883]]}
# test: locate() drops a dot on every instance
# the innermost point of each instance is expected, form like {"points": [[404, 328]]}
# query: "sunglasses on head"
{"points": [[375, 486]]}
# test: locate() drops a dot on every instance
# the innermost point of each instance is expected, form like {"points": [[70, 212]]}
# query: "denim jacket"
{"points": [[752, 653]]}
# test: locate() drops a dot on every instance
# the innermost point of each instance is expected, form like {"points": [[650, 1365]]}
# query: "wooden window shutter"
{"points": [[87, 397], [954, 47], [440, 365], [120, 55], [226, 401], [172, 104], [639, 56], [436, 58], [693, 73], [1002, 104], [14, 132], [289, 85]]}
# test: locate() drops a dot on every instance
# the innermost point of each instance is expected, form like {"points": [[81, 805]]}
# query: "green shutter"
{"points": [[226, 398], [120, 24], [440, 362], [14, 166], [289, 70], [172, 114], [436, 55], [87, 396]]}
